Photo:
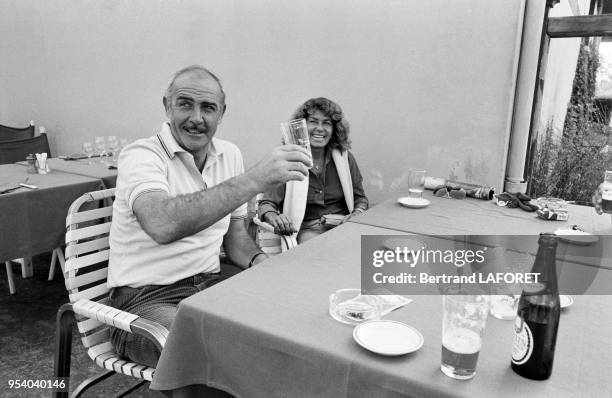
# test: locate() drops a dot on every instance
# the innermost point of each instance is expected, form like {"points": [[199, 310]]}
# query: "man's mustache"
{"points": [[199, 126]]}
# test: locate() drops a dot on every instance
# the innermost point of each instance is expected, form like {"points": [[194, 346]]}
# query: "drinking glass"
{"points": [[504, 300], [89, 151], [113, 144], [463, 323], [101, 147], [296, 132], [416, 183]]}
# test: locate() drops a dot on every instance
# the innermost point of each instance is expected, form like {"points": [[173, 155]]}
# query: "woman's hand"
{"points": [[281, 223], [355, 212]]}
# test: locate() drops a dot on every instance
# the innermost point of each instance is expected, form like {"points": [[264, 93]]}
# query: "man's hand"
{"points": [[281, 223], [285, 163], [597, 199]]}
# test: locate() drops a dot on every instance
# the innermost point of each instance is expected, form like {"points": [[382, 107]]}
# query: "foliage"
{"points": [[572, 167]]}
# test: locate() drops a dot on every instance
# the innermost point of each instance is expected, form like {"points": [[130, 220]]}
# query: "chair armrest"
{"points": [[123, 320], [263, 224]]}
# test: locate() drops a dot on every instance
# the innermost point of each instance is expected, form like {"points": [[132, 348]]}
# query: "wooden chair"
{"points": [[15, 133], [87, 251], [17, 150]]}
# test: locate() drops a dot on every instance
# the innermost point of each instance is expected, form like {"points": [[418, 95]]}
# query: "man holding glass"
{"points": [[180, 195]]}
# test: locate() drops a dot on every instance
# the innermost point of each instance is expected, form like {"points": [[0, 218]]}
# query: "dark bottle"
{"points": [[606, 193], [537, 320]]}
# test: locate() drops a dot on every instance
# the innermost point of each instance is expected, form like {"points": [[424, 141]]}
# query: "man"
{"points": [[180, 195]]}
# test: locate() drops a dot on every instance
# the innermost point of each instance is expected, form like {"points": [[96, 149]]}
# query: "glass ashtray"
{"points": [[351, 307]]}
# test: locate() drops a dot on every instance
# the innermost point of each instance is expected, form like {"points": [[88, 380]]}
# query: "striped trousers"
{"points": [[156, 303]]}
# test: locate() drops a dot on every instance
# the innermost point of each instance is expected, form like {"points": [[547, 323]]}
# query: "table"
{"points": [[266, 332], [474, 217], [33, 221], [81, 167], [513, 228]]}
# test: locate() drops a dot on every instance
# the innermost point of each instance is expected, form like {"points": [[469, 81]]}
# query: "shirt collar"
{"points": [[171, 147]]}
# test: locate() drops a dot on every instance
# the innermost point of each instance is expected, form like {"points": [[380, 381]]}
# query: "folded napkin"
{"points": [[516, 199]]}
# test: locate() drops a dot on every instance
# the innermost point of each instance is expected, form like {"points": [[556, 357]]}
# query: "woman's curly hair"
{"points": [[340, 132]]}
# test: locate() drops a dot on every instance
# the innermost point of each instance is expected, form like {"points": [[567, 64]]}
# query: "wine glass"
{"points": [[113, 144], [89, 151], [101, 147]]}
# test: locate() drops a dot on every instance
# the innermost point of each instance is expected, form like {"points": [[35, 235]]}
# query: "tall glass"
{"points": [[463, 324], [89, 151], [113, 145], [101, 147], [504, 301], [296, 132], [416, 183]]}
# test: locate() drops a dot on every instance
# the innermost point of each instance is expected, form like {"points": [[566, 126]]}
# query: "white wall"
{"points": [[423, 83]]}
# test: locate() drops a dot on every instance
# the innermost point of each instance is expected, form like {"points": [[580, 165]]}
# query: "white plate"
{"points": [[387, 337], [566, 300], [404, 242], [413, 203]]}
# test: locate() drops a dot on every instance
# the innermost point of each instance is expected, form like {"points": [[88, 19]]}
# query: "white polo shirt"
{"points": [[158, 163]]}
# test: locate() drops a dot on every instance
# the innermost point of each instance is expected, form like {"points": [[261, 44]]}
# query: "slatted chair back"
{"points": [[8, 133], [87, 251], [17, 150]]}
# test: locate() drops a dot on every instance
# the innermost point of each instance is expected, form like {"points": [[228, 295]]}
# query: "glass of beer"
{"points": [[296, 132], [463, 323]]}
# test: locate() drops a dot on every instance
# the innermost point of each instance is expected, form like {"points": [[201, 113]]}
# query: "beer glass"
{"points": [[416, 183], [463, 323], [505, 297], [296, 132]]}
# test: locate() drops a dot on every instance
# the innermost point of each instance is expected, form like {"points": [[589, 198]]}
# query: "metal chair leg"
{"points": [[90, 382], [9, 275], [57, 255], [63, 346], [131, 389]]}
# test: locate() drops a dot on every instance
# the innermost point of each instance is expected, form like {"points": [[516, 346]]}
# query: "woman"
{"points": [[334, 173]]}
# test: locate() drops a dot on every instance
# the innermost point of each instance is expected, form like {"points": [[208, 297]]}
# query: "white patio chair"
{"points": [[270, 242], [85, 273]]}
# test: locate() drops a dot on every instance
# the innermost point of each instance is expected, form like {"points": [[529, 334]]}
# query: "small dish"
{"points": [[413, 203], [565, 300], [386, 337]]}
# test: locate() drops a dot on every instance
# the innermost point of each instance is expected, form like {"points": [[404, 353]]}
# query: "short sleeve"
{"points": [[141, 170]]}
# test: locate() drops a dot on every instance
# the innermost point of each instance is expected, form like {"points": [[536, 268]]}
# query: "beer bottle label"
{"points": [[523, 342], [607, 194]]}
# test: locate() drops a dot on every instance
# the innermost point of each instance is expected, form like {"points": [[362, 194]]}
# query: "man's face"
{"points": [[194, 109]]}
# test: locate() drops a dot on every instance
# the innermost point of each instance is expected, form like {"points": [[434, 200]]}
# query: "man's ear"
{"points": [[165, 102]]}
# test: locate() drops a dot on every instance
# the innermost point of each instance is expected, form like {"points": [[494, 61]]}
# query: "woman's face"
{"points": [[320, 129]]}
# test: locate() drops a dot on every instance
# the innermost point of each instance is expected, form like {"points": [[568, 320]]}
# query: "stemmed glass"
{"points": [[101, 147], [89, 151], [113, 144]]}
